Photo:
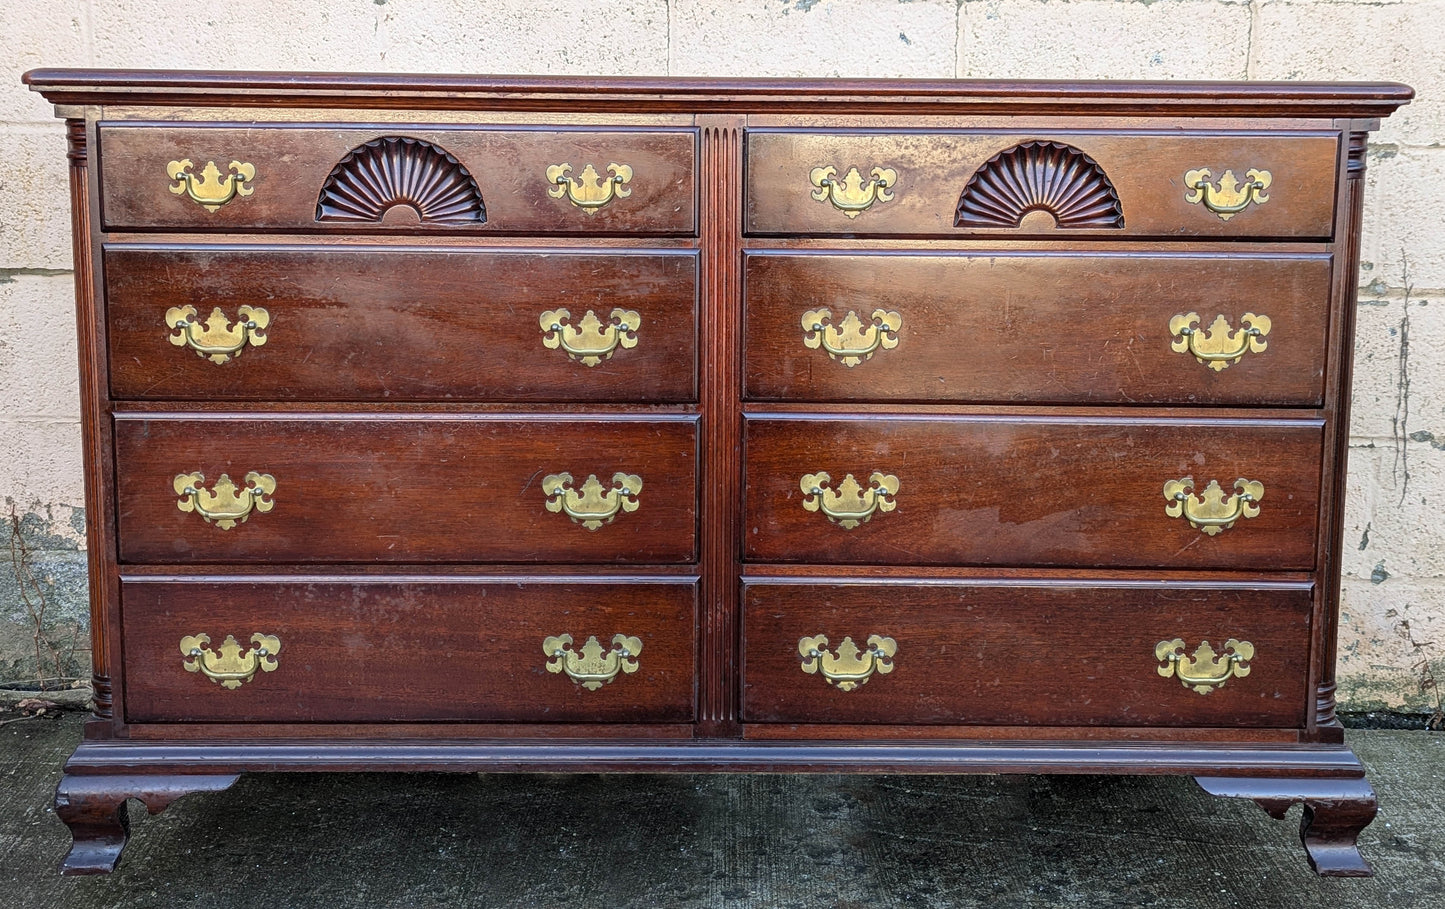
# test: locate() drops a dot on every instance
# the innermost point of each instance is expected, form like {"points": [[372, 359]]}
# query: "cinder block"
{"points": [[38, 365], [1362, 547], [38, 33], [35, 198], [1378, 390], [1103, 39], [1386, 631], [501, 36], [42, 461], [1395, 41], [818, 38], [1404, 194]]}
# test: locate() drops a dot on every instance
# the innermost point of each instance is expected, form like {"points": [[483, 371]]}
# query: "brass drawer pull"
{"points": [[210, 188], [853, 195], [589, 191], [848, 668], [591, 340], [1205, 670], [228, 665], [1229, 197], [592, 667], [1217, 346], [225, 504], [849, 341], [851, 504], [1211, 511], [595, 504], [219, 340]]}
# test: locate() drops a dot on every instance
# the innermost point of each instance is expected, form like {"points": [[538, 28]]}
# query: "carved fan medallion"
{"points": [[398, 170], [1040, 176]]}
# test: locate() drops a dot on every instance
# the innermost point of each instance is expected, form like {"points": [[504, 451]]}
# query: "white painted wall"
{"points": [[1395, 553]]}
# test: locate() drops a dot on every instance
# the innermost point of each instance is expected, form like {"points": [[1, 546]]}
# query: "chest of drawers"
{"points": [[485, 424]]}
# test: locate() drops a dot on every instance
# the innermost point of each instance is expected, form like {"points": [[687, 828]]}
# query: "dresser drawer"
{"points": [[397, 177], [381, 649], [1041, 184], [1015, 653], [418, 488], [1063, 328], [1033, 491], [388, 324]]}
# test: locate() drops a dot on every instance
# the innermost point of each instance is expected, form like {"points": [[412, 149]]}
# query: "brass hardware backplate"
{"points": [[850, 504], [225, 504], [594, 505], [210, 188], [592, 667], [1211, 511], [229, 665], [589, 190], [1205, 670], [850, 342], [1218, 346], [591, 340], [853, 194], [849, 668], [219, 339], [1229, 197]]}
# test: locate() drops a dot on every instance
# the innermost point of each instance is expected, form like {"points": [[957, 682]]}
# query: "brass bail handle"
{"points": [[592, 666], [210, 188], [1228, 197], [591, 340], [225, 504], [849, 667], [1219, 345], [218, 339], [853, 194], [593, 505], [229, 665], [1211, 510], [1204, 670], [850, 504], [850, 341], [589, 191]]}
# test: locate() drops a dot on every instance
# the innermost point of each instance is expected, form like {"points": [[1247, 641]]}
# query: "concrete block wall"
{"points": [[1394, 589]]}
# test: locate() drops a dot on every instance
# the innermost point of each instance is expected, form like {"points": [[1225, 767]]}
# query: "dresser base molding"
{"points": [[1328, 779]]}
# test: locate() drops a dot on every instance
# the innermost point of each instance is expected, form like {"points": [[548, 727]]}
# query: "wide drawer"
{"points": [[1012, 653], [382, 649], [419, 488], [1046, 328], [388, 324], [1041, 184], [395, 176], [1016, 490]]}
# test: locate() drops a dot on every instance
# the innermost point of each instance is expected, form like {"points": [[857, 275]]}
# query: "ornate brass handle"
{"points": [[210, 188], [849, 341], [225, 504], [1217, 346], [853, 195], [589, 191], [851, 504], [218, 340], [228, 665], [1210, 511], [1229, 197], [848, 668], [595, 504], [1205, 670], [590, 341], [592, 667]]}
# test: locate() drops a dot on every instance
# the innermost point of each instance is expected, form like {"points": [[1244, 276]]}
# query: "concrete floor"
{"points": [[332, 841]]}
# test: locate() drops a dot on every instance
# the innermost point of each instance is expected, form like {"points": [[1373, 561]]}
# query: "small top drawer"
{"points": [[393, 177], [1042, 184]]}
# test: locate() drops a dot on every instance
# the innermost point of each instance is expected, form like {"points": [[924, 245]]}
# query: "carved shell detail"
{"points": [[398, 170], [1040, 176]]}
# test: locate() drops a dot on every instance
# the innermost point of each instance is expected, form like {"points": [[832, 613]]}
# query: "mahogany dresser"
{"points": [[496, 424]]}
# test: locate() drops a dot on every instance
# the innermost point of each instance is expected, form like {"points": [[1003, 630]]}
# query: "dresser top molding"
{"points": [[456, 92]]}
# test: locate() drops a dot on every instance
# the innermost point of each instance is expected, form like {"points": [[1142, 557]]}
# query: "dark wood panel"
{"points": [[375, 651], [402, 325], [1033, 491], [992, 327], [1146, 172], [398, 490], [509, 166], [1061, 655]]}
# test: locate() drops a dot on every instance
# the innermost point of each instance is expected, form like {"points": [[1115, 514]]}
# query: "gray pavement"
{"points": [[332, 841]]}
